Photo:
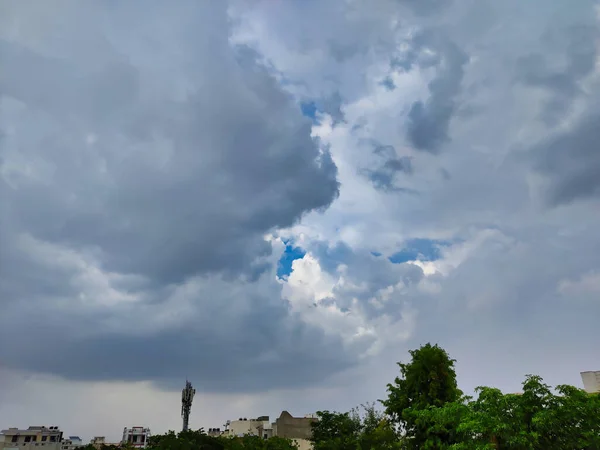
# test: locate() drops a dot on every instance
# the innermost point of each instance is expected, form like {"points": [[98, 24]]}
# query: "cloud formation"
{"points": [[236, 194], [143, 157]]}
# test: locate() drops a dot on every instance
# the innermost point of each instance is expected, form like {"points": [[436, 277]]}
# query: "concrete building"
{"points": [[214, 432], [288, 426], [50, 438], [98, 442], [72, 443], [298, 429], [136, 436], [591, 381], [244, 426]]}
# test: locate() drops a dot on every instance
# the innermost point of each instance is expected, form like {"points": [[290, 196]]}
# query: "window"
{"points": [[52, 438], [27, 438], [33, 438], [44, 438], [15, 438]]}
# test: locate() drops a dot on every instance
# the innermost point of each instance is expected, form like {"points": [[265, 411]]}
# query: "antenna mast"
{"points": [[187, 395]]}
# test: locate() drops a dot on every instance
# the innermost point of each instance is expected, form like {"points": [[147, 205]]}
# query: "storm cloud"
{"points": [[136, 140], [226, 191]]}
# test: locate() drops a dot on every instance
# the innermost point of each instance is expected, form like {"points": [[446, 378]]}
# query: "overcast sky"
{"points": [[277, 199]]}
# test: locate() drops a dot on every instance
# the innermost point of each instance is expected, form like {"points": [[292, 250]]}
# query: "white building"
{"points": [[591, 381], [244, 426], [33, 438], [136, 436], [72, 443]]}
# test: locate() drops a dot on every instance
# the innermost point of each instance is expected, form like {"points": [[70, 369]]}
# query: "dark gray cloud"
{"points": [[141, 151], [570, 161], [577, 46], [429, 121], [259, 350], [384, 176]]}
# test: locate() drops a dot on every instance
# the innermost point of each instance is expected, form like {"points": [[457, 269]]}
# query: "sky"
{"points": [[278, 199]]}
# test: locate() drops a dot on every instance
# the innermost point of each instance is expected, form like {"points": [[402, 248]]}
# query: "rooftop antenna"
{"points": [[187, 395]]}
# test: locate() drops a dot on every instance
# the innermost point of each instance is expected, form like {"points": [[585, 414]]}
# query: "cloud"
{"points": [[578, 45], [134, 180], [384, 176], [184, 211], [570, 162], [429, 121]]}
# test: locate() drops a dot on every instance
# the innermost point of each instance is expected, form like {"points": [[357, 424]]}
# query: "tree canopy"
{"points": [[199, 440], [428, 380]]}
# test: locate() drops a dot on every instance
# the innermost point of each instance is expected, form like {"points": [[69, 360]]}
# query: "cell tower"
{"points": [[187, 395]]}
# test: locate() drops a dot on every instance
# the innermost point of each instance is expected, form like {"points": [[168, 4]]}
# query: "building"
{"points": [[98, 442], [288, 426], [214, 432], [136, 436], [50, 438], [244, 426], [72, 443], [298, 429], [591, 381]]}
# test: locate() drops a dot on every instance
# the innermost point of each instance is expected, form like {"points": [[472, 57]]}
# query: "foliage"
{"points": [[198, 440], [537, 419], [429, 380], [353, 431]]}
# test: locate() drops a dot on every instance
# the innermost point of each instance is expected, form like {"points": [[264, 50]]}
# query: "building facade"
{"points": [[72, 443], [591, 381], [136, 436], [243, 426], [33, 438], [288, 426], [214, 432], [298, 429]]}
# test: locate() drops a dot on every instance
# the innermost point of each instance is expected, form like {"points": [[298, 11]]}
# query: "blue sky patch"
{"points": [[309, 109], [284, 265], [419, 249]]}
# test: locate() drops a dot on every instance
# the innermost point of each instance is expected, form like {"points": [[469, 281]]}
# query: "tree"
{"points": [[371, 430], [336, 431], [537, 419], [199, 440], [377, 431], [429, 380]]}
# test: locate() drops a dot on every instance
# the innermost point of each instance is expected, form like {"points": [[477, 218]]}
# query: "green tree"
{"points": [[429, 380], [199, 440], [377, 431], [336, 431], [537, 419], [371, 430]]}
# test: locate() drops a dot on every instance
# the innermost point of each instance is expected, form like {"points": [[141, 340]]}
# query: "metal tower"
{"points": [[187, 395]]}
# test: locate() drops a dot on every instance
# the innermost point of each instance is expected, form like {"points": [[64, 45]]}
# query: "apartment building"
{"points": [[591, 381], [136, 436], [32, 438], [244, 426], [214, 432], [299, 429], [72, 443]]}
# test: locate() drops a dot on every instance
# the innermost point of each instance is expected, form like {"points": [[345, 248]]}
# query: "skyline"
{"points": [[254, 417], [278, 199]]}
